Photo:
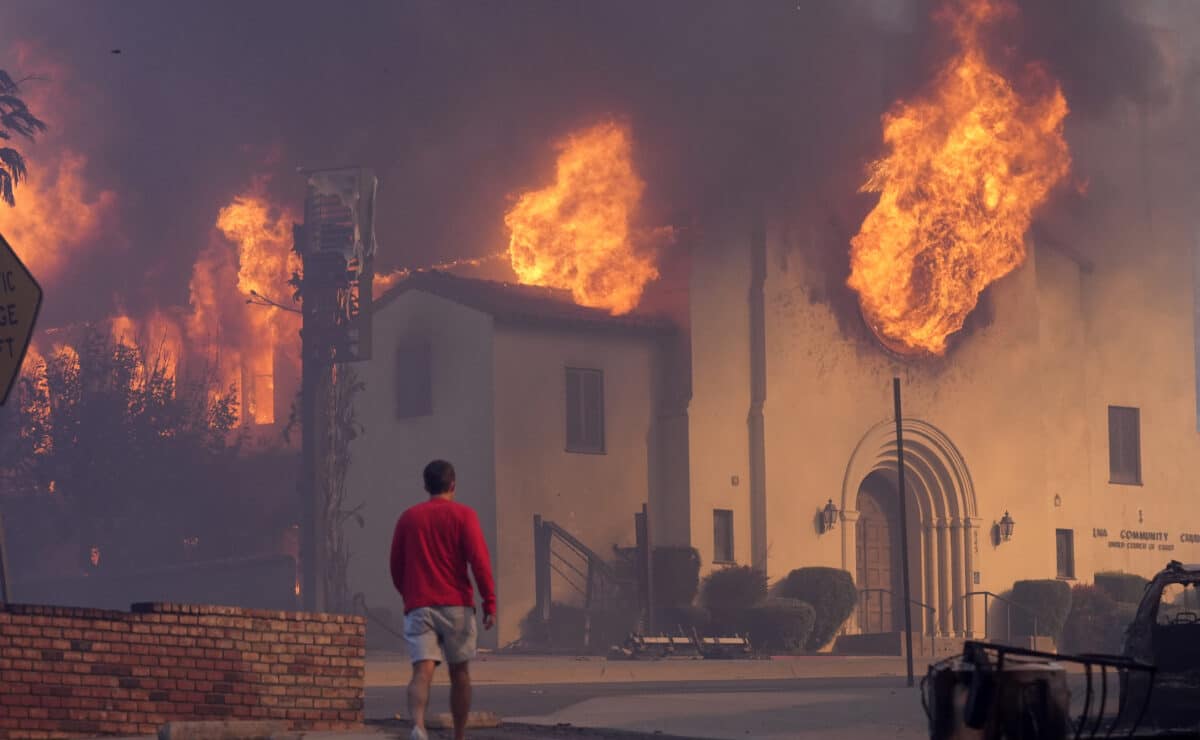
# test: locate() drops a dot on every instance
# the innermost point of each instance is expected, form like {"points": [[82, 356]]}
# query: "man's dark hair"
{"points": [[439, 476]]}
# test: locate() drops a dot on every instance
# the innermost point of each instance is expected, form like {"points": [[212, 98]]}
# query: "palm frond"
{"points": [[6, 187]]}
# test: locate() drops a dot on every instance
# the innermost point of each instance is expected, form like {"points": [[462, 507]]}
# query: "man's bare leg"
{"points": [[418, 691], [460, 697]]}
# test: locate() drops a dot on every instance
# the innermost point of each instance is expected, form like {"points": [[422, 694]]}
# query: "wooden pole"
{"points": [[908, 641]]}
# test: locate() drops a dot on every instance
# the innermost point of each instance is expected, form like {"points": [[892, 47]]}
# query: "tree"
{"points": [[129, 459], [15, 118]]}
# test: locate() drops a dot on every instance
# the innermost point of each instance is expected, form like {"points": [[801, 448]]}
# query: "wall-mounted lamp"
{"points": [[829, 517], [1006, 527]]}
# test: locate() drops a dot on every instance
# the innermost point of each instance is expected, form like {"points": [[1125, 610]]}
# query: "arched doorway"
{"points": [[877, 539], [941, 548]]}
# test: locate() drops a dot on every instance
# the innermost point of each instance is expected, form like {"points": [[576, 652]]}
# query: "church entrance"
{"points": [[877, 539]]}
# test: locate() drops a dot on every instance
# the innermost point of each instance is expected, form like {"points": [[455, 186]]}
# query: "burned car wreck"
{"points": [[1165, 633]]}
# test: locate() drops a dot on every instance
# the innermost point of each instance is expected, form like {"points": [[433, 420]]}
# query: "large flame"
{"points": [[576, 234], [245, 339], [968, 164]]}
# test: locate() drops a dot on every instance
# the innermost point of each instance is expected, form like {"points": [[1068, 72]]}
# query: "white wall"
{"points": [[387, 460], [593, 496]]}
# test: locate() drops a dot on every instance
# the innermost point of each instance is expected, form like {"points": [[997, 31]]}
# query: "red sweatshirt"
{"points": [[433, 545]]}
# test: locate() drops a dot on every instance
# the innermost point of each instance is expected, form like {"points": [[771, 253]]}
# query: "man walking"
{"points": [[434, 543]]}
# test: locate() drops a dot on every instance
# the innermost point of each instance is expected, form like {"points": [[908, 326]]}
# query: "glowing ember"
{"points": [[388, 280], [575, 234], [968, 164]]}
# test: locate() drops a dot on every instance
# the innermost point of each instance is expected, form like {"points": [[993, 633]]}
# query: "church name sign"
{"points": [[1136, 539]]}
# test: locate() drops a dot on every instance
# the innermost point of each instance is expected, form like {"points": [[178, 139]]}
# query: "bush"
{"points": [[570, 625], [676, 576], [673, 619], [1049, 599], [1096, 623], [1123, 588], [733, 588], [829, 591], [777, 625], [563, 630]]}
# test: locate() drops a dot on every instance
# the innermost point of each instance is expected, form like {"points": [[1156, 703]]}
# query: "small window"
{"points": [[585, 410], [1124, 445], [722, 536], [1064, 540], [414, 380]]}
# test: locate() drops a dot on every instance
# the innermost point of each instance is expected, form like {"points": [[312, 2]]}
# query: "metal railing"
{"points": [[558, 551], [864, 621], [1008, 607]]}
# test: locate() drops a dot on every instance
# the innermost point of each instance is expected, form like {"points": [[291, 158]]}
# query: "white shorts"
{"points": [[436, 631]]}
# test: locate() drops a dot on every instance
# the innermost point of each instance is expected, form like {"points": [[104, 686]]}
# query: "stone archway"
{"points": [[942, 506]]}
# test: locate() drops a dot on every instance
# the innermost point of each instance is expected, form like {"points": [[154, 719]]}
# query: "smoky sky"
{"points": [[456, 105]]}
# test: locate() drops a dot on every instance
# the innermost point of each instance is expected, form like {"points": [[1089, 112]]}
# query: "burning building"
{"points": [[1049, 371]]}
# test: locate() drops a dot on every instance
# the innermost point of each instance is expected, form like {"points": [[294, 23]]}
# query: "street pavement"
{"points": [[808, 697]]}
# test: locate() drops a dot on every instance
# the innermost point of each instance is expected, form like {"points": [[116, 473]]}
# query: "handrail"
{"points": [[588, 553], [881, 591], [1009, 604]]}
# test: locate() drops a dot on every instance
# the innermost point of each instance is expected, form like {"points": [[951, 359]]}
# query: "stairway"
{"points": [[893, 643]]}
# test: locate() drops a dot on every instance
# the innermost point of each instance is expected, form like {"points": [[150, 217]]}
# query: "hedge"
{"points": [[1097, 623], [1049, 599], [675, 619], [568, 625], [676, 576], [1123, 588], [777, 625], [830, 592], [739, 587]]}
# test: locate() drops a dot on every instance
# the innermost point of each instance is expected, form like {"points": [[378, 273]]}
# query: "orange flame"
{"points": [[968, 164], [243, 339], [575, 234], [388, 280]]}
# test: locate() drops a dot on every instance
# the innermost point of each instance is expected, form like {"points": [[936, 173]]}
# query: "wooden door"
{"points": [[875, 548]]}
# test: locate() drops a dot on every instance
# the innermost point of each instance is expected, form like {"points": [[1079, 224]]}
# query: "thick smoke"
{"points": [[455, 105]]}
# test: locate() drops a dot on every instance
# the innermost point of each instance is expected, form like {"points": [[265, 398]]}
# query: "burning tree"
{"points": [[131, 465], [15, 118]]}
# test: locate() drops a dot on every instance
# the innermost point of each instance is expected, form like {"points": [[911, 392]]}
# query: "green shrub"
{"points": [[736, 588], [777, 625], [1096, 623], [676, 576], [1123, 588], [829, 591], [673, 619], [1049, 599]]}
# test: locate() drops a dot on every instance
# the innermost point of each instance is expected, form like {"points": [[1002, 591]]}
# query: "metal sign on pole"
{"points": [[908, 646], [20, 299]]}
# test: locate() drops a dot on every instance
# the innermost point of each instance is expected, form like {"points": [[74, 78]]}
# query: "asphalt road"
{"points": [[537, 700]]}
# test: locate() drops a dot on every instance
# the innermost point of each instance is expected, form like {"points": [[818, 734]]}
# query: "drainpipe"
{"points": [[758, 395]]}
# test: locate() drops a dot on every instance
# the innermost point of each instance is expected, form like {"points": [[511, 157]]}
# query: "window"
{"points": [[414, 380], [1064, 540], [585, 410], [1124, 445], [722, 536]]}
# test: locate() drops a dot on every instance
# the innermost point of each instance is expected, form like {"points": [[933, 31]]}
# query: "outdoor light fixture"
{"points": [[829, 516], [1006, 527]]}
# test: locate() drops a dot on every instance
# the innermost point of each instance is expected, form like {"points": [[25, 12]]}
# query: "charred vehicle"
{"points": [[1166, 634]]}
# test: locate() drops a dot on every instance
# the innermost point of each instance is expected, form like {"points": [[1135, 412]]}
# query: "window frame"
{"points": [[727, 514], [582, 445], [408, 348], [1067, 573], [1117, 434]]}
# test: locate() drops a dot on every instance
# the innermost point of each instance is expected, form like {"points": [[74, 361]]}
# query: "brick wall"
{"points": [[67, 671]]}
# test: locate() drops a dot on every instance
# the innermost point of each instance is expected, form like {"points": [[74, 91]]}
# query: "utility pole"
{"points": [[336, 244], [903, 534]]}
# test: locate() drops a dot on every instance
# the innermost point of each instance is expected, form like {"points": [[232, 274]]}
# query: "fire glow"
{"points": [[968, 164], [576, 234]]}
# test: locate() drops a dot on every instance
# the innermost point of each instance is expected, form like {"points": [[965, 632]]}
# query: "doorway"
{"points": [[877, 540]]}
